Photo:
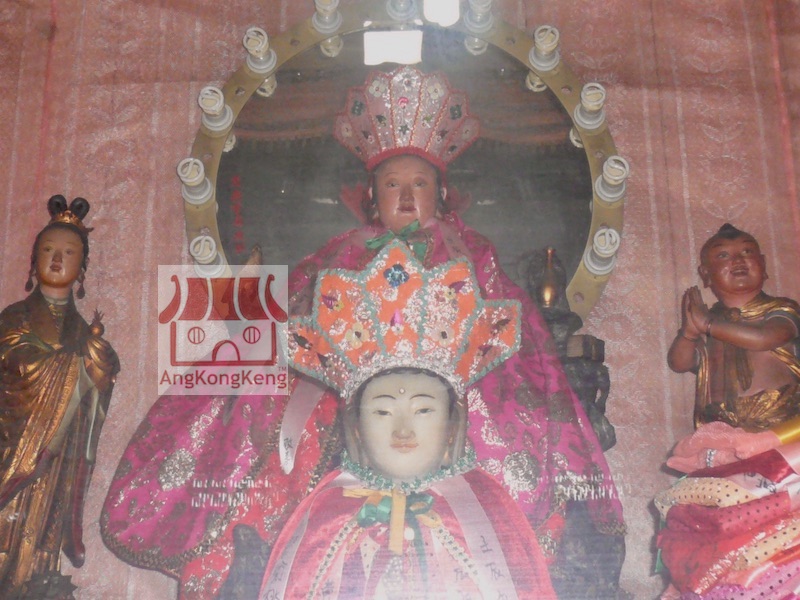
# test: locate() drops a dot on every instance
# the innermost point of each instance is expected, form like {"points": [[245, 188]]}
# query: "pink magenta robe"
{"points": [[199, 465], [324, 546]]}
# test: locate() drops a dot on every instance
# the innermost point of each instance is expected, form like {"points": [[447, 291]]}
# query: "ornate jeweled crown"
{"points": [[397, 313], [406, 112], [71, 218]]}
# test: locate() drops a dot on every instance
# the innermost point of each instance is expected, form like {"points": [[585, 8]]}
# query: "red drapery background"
{"points": [[98, 99]]}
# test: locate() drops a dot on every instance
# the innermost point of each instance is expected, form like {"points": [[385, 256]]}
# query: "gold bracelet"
{"points": [[708, 327]]}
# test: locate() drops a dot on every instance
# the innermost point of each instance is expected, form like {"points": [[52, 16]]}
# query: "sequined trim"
{"points": [[333, 550], [176, 470], [705, 491], [458, 552], [376, 481], [521, 473]]}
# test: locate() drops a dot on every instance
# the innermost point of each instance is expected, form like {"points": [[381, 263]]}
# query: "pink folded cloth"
{"points": [[717, 443]]}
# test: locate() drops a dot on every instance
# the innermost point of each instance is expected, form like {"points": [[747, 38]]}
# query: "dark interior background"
{"points": [[529, 187]]}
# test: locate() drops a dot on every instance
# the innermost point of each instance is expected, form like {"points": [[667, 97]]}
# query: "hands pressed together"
{"points": [[695, 316]]}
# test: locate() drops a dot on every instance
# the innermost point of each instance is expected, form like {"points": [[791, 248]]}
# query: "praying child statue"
{"points": [[408, 514], [729, 525], [744, 349]]}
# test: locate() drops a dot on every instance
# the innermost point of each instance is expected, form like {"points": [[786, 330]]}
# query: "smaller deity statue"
{"points": [[730, 525], [745, 349], [55, 385], [408, 513]]}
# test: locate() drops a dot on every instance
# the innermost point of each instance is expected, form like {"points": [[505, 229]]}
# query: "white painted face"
{"points": [[404, 424]]}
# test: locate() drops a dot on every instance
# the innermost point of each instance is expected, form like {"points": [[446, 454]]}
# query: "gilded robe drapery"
{"points": [[56, 382]]}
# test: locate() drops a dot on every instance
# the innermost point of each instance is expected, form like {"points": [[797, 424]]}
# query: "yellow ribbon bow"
{"points": [[385, 506]]}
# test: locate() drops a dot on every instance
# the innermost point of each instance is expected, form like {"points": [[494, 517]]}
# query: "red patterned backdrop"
{"points": [[98, 99]]}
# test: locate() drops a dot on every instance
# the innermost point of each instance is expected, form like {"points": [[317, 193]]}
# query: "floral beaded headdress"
{"points": [[397, 313], [406, 112]]}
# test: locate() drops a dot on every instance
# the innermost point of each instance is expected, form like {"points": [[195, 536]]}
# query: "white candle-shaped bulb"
{"points": [[589, 113], [217, 116], [196, 188], [610, 185], [544, 55], [203, 249], [211, 101], [191, 172]]}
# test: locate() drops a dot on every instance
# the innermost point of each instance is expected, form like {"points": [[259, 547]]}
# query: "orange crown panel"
{"points": [[397, 313]]}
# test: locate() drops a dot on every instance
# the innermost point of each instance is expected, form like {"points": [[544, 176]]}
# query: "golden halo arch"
{"points": [[538, 53]]}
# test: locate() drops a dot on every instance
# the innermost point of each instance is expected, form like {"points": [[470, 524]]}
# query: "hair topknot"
{"points": [[79, 207], [58, 204], [728, 231]]}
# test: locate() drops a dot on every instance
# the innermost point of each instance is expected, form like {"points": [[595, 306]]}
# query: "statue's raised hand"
{"points": [[689, 312], [697, 310]]}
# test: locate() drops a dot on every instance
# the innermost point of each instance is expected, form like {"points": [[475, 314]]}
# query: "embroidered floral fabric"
{"points": [[733, 531], [528, 429]]}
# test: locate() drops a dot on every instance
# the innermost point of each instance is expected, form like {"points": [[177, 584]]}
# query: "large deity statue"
{"points": [[408, 514], [528, 429], [731, 525], [57, 376]]}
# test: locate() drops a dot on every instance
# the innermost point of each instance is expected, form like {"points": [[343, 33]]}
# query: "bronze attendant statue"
{"points": [[56, 381], [744, 349]]}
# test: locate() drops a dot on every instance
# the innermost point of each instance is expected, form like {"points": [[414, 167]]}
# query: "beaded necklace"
{"points": [[376, 481]]}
